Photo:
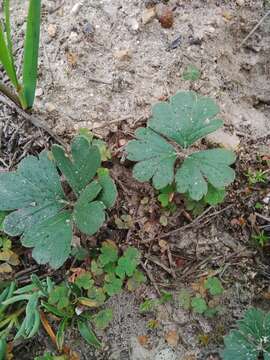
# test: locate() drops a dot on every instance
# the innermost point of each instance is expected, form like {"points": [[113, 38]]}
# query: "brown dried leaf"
{"points": [[72, 59], [75, 273], [143, 340], [199, 286], [5, 268], [172, 337]]}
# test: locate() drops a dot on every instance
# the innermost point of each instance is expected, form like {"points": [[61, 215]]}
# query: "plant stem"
{"points": [[6, 91]]}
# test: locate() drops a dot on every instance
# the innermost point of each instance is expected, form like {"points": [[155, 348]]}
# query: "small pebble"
{"points": [[165, 16], [148, 15], [39, 92], [240, 2], [76, 8], [123, 55], [52, 29], [74, 37], [50, 107], [133, 24]]}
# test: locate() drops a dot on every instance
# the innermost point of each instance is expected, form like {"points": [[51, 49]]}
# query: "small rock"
{"points": [[266, 200], [123, 55], [242, 115], [76, 8], [50, 107], [148, 15], [165, 16], [74, 37], [240, 2], [52, 29], [39, 92], [133, 24], [224, 139]]}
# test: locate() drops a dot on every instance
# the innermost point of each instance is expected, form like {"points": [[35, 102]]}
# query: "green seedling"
{"points": [[25, 89], [261, 239], [200, 305], [186, 118], [251, 338], [77, 302], [191, 73], [42, 214], [255, 177]]}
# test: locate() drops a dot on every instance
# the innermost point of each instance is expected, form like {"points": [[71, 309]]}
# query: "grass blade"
{"points": [[6, 60], [88, 334], [8, 29], [31, 48]]}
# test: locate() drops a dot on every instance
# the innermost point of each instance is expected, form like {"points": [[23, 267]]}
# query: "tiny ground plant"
{"points": [[255, 177], [174, 127], [261, 239], [44, 216], [76, 301], [251, 339], [206, 304], [26, 89]]}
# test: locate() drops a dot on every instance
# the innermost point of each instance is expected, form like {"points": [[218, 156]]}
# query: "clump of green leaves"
{"points": [[77, 301], [26, 88], [44, 216], [186, 118], [204, 305], [261, 239], [191, 73], [258, 176], [150, 305], [251, 339]]}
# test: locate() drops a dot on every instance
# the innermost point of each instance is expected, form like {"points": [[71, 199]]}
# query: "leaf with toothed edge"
{"points": [[34, 189], [211, 165], [51, 240], [155, 156], [82, 168], [250, 339], [186, 118]]}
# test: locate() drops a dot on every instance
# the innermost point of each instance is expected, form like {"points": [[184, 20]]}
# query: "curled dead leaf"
{"points": [[143, 340], [172, 337], [5, 268]]}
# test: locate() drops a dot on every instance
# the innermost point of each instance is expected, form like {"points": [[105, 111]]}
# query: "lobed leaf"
{"points": [[109, 191], [211, 165], [251, 339], [186, 118], [84, 164], [50, 239], [155, 156]]}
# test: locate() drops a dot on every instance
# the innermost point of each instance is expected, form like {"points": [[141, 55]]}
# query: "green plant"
{"points": [[151, 304], [77, 301], [251, 339], [255, 177], [261, 239], [213, 197], [45, 216], [204, 305], [191, 73], [187, 118], [26, 89]]}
